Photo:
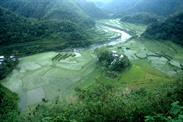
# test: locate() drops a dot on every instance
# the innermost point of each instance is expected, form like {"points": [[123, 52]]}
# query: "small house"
{"points": [[2, 58]]}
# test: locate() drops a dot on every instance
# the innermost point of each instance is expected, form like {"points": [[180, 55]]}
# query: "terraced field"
{"points": [[134, 28], [42, 77], [53, 76]]}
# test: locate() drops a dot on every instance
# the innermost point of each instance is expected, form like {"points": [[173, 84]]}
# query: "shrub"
{"points": [[7, 66], [111, 60], [174, 115]]}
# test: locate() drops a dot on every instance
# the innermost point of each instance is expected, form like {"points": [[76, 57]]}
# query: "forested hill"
{"points": [[53, 9], [90, 9], [170, 29], [33, 26], [27, 36], [157, 7]]}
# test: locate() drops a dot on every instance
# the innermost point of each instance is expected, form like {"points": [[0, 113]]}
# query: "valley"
{"points": [[91, 61], [49, 77]]}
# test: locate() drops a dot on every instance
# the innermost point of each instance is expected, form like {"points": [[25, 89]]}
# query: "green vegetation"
{"points": [[8, 104], [70, 86], [16, 30], [112, 60], [133, 29], [7, 65], [56, 9], [142, 18], [49, 76], [102, 100], [105, 71], [90, 9], [175, 115], [57, 25], [171, 29], [154, 7]]}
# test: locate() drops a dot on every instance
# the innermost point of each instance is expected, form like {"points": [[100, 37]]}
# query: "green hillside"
{"points": [[55, 9], [170, 29], [42, 25], [157, 7], [90, 9], [37, 35], [91, 61], [140, 18]]}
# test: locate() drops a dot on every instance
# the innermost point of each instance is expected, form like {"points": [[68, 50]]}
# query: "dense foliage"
{"points": [[74, 10], [174, 115], [170, 29], [57, 24], [112, 60], [16, 30], [139, 18], [157, 7], [65, 24], [8, 104], [91, 10], [7, 66], [105, 102]]}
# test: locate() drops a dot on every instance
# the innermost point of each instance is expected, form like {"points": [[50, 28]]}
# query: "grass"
{"points": [[39, 77], [166, 47], [54, 80]]}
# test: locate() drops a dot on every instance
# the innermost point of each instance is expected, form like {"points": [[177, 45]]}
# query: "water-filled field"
{"points": [[136, 28], [155, 54], [42, 77], [54, 76]]}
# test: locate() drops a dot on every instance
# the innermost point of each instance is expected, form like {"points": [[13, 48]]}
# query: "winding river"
{"points": [[124, 36], [158, 60], [37, 75]]}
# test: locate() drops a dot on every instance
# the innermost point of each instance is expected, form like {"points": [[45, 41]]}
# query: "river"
{"points": [[122, 39]]}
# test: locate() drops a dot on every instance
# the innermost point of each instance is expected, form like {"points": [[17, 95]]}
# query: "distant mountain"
{"points": [[53, 9], [120, 5], [140, 18], [157, 7], [90, 9], [170, 29]]}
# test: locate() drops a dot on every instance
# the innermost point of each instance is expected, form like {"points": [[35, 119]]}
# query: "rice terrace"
{"points": [[91, 61]]}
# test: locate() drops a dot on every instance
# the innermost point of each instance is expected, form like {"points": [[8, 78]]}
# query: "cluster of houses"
{"points": [[116, 57], [3, 58], [115, 54]]}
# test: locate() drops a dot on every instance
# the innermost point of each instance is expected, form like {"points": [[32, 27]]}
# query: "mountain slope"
{"points": [[33, 26], [157, 7], [120, 5], [90, 9], [140, 18], [52, 9], [171, 29], [41, 35]]}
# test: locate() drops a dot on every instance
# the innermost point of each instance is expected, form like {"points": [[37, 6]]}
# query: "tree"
{"points": [[175, 115], [7, 66], [112, 60]]}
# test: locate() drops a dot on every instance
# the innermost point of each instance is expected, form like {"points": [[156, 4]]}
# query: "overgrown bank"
{"points": [[105, 102]]}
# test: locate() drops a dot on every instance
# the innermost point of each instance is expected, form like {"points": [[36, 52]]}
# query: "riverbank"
{"points": [[39, 79]]}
